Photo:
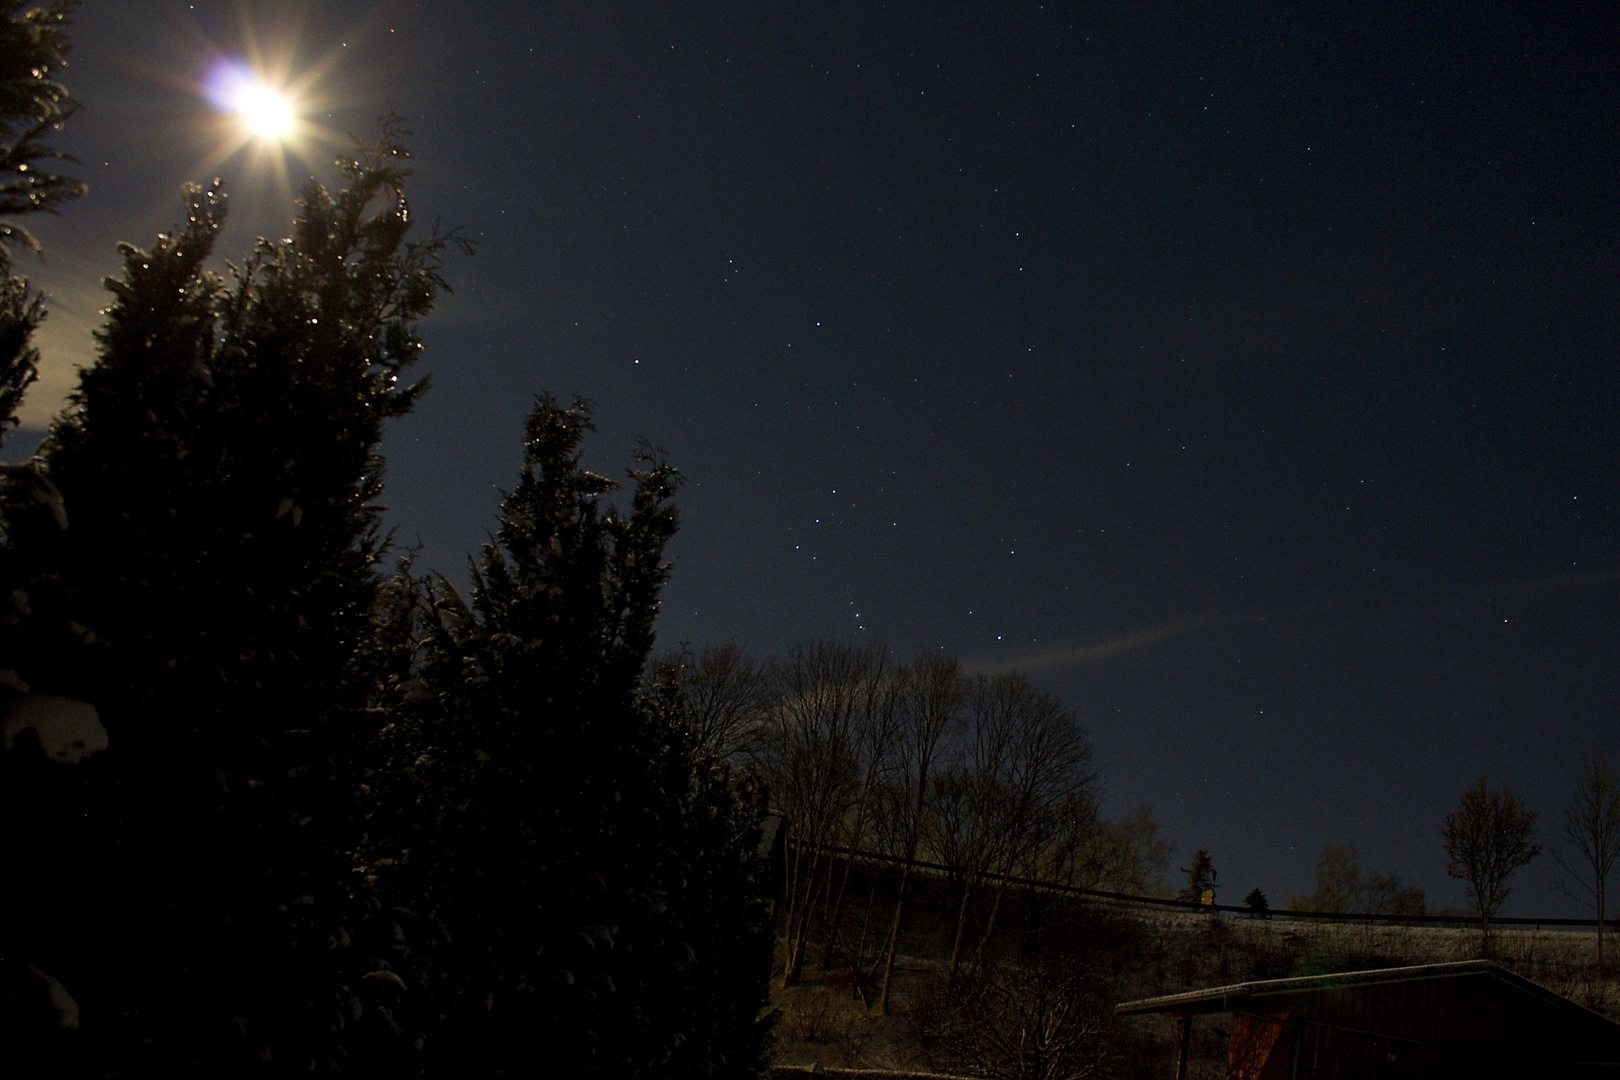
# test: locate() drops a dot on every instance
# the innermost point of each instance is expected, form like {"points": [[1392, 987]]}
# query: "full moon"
{"points": [[265, 112], [262, 108]]}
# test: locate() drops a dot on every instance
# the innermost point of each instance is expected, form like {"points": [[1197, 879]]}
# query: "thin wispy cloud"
{"points": [[66, 341], [1149, 637], [1600, 576], [1106, 649]]}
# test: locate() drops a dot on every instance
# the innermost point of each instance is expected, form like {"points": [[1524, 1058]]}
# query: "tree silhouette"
{"points": [[578, 875], [1343, 889], [1488, 839], [1338, 879], [221, 463], [1592, 828], [833, 723], [932, 692], [726, 694], [1132, 856], [1201, 876], [33, 47]]}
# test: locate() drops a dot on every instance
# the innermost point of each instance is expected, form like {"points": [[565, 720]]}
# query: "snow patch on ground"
{"points": [[68, 731]]}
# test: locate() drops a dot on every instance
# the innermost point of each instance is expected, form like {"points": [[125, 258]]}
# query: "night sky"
{"points": [[1246, 376]]}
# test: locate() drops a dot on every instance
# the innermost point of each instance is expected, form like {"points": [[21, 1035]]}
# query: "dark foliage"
{"points": [[220, 467], [222, 458], [1201, 876], [33, 47], [541, 868], [567, 881]]}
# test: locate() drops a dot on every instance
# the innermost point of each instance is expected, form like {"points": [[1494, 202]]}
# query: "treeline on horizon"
{"points": [[985, 774], [922, 761]]}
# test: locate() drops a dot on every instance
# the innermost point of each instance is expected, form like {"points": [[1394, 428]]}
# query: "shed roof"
{"points": [[1599, 1035], [1277, 991]]}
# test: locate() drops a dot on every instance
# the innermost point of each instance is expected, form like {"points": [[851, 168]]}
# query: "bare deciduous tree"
{"points": [[876, 728], [1044, 1023], [969, 800], [1488, 839], [1027, 763], [1339, 884], [726, 694], [815, 749], [1050, 1017], [1342, 888], [931, 692], [1389, 896], [1592, 827], [1131, 856]]}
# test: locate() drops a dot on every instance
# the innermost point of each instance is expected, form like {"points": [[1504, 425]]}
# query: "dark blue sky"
{"points": [[1247, 374]]}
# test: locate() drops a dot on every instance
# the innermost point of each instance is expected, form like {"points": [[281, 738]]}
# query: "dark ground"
{"points": [[830, 1017]]}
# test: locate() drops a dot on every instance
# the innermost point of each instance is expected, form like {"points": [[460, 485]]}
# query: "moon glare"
{"points": [[262, 109], [266, 112]]}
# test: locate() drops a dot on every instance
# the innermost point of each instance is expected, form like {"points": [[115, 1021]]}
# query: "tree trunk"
{"points": [[837, 915], [794, 901], [961, 923], [798, 929], [1602, 888], [990, 924], [838, 904], [866, 925], [797, 946], [892, 945]]}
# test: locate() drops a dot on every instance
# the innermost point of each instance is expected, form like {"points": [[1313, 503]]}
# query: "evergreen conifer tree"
{"points": [[33, 47], [577, 877], [1201, 877], [224, 455], [220, 460]]}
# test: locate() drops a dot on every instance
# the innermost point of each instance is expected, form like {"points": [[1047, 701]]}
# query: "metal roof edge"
{"points": [[1216, 998], [1303, 984]]}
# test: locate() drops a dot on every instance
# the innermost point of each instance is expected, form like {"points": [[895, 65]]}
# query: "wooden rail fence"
{"points": [[1133, 900]]}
